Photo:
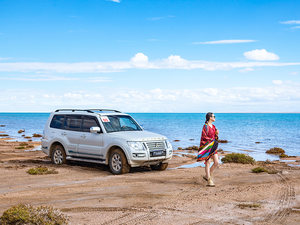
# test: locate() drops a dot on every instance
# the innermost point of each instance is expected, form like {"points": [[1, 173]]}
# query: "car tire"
{"points": [[118, 163], [58, 155], [160, 166]]}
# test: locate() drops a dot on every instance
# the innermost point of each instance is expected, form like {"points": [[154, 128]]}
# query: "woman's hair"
{"points": [[208, 115]]}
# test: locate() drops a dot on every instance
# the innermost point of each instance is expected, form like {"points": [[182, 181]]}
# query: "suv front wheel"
{"points": [[58, 155], [118, 162]]}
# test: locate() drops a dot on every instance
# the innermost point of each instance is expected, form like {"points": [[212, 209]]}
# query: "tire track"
{"points": [[287, 196]]}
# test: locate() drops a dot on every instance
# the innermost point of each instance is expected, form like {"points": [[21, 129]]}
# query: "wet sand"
{"points": [[90, 194]]}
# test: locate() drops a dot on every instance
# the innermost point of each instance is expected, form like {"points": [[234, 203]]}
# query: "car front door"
{"points": [[91, 144]]}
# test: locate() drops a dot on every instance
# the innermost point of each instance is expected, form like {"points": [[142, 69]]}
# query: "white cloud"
{"points": [[277, 82], [117, 1], [291, 22], [42, 78], [160, 17], [224, 42], [294, 73], [296, 27], [141, 61], [246, 70], [174, 61], [2, 59], [261, 55], [241, 99]]}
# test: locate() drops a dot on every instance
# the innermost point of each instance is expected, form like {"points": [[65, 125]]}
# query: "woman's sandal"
{"points": [[210, 183], [205, 178]]}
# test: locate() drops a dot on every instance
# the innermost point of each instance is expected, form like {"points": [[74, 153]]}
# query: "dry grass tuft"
{"points": [[27, 214], [276, 151], [41, 170]]}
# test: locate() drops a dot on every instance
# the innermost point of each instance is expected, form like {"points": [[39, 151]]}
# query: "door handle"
{"points": [[63, 133], [83, 136]]}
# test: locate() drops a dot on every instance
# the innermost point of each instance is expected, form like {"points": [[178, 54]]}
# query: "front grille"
{"points": [[156, 148]]}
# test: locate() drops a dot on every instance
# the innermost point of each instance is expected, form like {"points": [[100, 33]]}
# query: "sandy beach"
{"points": [[90, 194]]}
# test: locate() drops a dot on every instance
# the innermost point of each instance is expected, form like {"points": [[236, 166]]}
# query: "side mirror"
{"points": [[95, 130]]}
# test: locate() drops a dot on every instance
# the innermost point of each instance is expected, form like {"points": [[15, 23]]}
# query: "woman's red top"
{"points": [[208, 134]]}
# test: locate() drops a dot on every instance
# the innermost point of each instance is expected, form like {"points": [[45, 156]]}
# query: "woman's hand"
{"points": [[217, 132]]}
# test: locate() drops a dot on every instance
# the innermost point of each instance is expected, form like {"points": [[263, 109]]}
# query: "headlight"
{"points": [[136, 145], [168, 144]]}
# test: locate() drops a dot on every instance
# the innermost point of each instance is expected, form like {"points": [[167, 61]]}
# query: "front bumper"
{"points": [[144, 158]]}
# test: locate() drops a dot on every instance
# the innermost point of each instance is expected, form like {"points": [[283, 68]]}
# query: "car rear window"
{"points": [[73, 122], [57, 121]]}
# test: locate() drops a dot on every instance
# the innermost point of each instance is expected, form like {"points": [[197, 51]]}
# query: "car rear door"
{"points": [[72, 133]]}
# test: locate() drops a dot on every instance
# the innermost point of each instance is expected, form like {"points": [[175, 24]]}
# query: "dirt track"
{"points": [[89, 194]]}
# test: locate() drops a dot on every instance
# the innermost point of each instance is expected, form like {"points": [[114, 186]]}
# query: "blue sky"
{"points": [[150, 56]]}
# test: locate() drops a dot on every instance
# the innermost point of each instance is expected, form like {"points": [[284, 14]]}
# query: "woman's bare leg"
{"points": [[216, 163], [207, 169]]}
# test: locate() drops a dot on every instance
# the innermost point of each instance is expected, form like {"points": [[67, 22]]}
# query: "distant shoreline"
{"points": [[187, 112]]}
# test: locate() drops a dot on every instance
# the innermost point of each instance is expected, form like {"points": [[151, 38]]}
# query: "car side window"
{"points": [[73, 122], [88, 122], [57, 122]]}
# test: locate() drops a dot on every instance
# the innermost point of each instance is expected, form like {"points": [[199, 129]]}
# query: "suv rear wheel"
{"points": [[118, 162], [58, 155], [160, 166]]}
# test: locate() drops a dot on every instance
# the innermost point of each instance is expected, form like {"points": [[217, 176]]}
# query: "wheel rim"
{"points": [[58, 156], [116, 162]]}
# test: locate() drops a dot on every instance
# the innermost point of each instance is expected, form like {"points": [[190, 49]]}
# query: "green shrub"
{"points": [[275, 150], [259, 170], [41, 171], [20, 147], [27, 214], [238, 158]]}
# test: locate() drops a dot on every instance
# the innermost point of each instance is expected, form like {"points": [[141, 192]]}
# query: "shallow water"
{"points": [[242, 130]]}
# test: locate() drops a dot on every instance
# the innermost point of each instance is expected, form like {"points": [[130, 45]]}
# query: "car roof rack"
{"points": [[101, 110], [73, 110], [88, 110]]}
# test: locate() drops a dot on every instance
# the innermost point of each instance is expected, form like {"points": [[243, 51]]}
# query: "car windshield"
{"points": [[118, 123]]}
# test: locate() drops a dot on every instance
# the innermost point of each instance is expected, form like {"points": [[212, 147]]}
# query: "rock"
{"points": [[222, 141], [176, 140]]}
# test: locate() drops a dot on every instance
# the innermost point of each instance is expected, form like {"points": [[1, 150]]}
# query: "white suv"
{"points": [[103, 136]]}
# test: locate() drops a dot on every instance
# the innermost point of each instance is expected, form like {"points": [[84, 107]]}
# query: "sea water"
{"points": [[241, 130]]}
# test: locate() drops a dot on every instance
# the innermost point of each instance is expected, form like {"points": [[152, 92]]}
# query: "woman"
{"points": [[208, 147]]}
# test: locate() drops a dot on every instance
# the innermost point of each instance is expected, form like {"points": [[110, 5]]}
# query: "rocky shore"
{"points": [[90, 194]]}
